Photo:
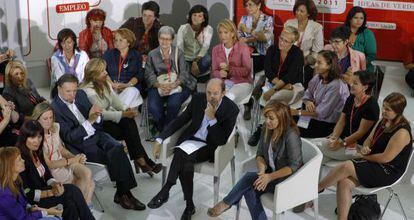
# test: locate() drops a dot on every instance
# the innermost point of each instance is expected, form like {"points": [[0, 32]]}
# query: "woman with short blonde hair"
{"points": [[231, 62]]}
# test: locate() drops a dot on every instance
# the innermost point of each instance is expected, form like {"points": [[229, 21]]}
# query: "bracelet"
{"points": [[300, 112], [131, 85]]}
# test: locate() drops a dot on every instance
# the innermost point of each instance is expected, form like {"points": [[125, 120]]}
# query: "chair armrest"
{"points": [[295, 189], [168, 145], [248, 165], [99, 172], [224, 154]]}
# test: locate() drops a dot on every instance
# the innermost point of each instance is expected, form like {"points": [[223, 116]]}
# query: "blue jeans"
{"points": [[244, 187], [204, 64], [156, 106]]}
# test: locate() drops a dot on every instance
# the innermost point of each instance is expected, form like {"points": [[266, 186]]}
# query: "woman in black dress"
{"points": [[385, 156]]}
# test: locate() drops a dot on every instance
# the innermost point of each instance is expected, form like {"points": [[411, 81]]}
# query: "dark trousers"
{"points": [[317, 129], [74, 205], [258, 63], [156, 106], [182, 166], [111, 152], [126, 129], [409, 78]]}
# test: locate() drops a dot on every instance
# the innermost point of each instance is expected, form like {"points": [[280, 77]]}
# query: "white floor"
{"points": [[203, 187]]}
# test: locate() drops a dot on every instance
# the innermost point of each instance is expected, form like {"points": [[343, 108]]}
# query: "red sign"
{"points": [[72, 7], [392, 22]]}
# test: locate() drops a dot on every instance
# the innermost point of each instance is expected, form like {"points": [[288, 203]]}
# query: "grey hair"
{"points": [[167, 30]]}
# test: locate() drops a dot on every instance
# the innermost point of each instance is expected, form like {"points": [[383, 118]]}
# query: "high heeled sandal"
{"points": [[212, 213], [144, 168]]}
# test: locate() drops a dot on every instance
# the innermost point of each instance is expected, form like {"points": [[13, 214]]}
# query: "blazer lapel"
{"points": [[66, 111]]}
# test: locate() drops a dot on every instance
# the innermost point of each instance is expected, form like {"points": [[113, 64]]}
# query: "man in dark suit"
{"points": [[212, 117], [80, 129]]}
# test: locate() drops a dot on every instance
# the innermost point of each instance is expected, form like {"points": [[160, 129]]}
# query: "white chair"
{"points": [[222, 156], [404, 179], [299, 188], [145, 116], [100, 176]]}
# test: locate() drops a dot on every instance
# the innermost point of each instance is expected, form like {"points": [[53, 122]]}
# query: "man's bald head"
{"points": [[215, 91]]}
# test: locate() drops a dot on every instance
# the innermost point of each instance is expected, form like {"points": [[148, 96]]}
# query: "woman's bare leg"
{"points": [[344, 197], [83, 179], [342, 171]]}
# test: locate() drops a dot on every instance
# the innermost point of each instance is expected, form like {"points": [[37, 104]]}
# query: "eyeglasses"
{"points": [[285, 41], [335, 41], [164, 39]]}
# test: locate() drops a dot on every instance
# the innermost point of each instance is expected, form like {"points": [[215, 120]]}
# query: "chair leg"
{"points": [[388, 202], [238, 210], [233, 171], [216, 189], [316, 208], [400, 204], [276, 216], [164, 176], [99, 201]]}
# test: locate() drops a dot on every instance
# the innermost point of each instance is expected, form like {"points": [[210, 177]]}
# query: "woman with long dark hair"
{"points": [[362, 38], [324, 98], [39, 185]]}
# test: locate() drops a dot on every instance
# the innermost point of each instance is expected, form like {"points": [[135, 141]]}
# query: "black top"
{"points": [[25, 99], [399, 163], [32, 181], [292, 68], [8, 137], [368, 111]]}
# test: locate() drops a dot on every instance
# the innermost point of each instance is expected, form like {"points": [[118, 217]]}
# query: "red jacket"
{"points": [[85, 39]]}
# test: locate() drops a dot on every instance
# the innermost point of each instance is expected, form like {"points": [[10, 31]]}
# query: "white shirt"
{"points": [[90, 130], [227, 51]]}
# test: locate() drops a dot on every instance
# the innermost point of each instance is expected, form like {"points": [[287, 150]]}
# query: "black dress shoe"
{"points": [[124, 201], [254, 139], [188, 212], [157, 168], [157, 201], [138, 204]]}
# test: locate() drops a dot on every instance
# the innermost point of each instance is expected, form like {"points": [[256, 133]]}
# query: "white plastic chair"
{"points": [[404, 179], [299, 188], [222, 156], [145, 116], [100, 176]]}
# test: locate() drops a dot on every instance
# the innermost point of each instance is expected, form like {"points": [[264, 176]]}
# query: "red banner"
{"points": [[72, 7]]}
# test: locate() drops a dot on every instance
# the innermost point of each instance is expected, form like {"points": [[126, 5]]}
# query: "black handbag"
{"points": [[365, 207]]}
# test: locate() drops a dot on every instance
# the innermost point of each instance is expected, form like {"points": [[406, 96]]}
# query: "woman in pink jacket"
{"points": [[349, 60], [232, 63]]}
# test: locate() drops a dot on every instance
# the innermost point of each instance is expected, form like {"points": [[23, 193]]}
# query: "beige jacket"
{"points": [[111, 105], [312, 40]]}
